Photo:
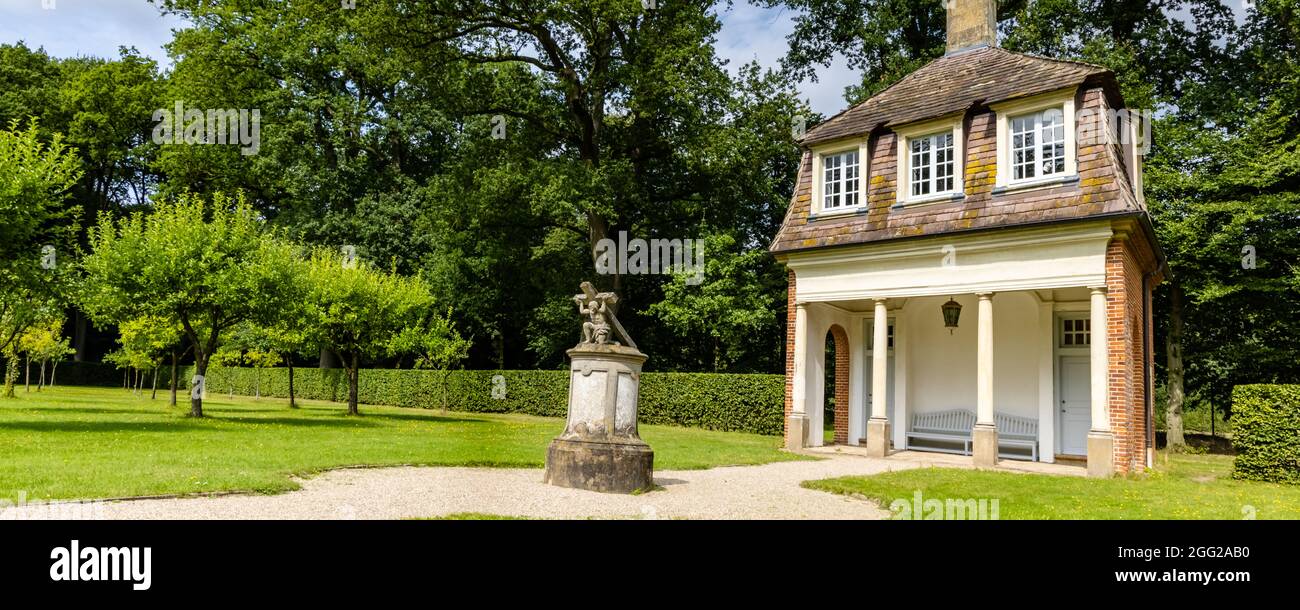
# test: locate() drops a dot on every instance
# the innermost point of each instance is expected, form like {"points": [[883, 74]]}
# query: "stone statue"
{"points": [[600, 448], [596, 306]]}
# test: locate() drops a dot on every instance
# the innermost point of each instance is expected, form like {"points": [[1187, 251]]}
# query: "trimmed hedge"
{"points": [[733, 403], [1266, 432], [80, 373]]}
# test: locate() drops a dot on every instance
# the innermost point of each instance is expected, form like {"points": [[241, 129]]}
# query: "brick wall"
{"points": [[1128, 324], [789, 351], [841, 339]]}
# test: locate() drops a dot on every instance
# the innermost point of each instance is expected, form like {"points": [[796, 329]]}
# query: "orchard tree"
{"points": [[146, 341], [436, 345], [37, 226], [360, 309], [210, 266], [45, 343]]}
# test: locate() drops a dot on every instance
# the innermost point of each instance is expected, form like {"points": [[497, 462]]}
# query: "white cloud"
{"points": [[751, 33], [88, 27]]}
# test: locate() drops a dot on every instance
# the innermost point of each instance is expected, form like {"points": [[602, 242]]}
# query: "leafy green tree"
{"points": [[628, 121], [38, 227], [730, 305], [436, 345], [45, 343], [210, 266], [145, 343], [360, 309]]}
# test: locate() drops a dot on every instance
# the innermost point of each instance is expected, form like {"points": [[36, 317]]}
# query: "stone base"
{"points": [[877, 437], [1101, 459], [600, 466], [984, 444], [796, 432]]}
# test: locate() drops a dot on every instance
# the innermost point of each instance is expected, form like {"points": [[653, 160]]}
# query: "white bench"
{"points": [[1017, 431], [952, 426], [955, 425]]}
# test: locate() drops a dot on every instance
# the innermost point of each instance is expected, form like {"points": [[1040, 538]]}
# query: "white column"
{"points": [[800, 382], [1100, 365], [1048, 411], [901, 348], [857, 380], [880, 362], [984, 361]]}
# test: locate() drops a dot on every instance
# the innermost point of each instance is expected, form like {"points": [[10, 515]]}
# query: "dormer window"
{"points": [[931, 164], [1036, 141], [930, 161], [1038, 144], [839, 179]]}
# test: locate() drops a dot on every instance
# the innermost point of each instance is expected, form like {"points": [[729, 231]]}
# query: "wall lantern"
{"points": [[951, 312]]}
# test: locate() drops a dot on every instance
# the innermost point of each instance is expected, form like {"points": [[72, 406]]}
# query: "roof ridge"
{"points": [[1055, 59], [896, 83]]}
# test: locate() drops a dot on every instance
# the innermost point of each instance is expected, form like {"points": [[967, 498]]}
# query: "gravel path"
{"points": [[770, 491]]}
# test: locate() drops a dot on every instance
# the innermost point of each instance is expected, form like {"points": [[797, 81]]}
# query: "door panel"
{"points": [[1075, 394]]}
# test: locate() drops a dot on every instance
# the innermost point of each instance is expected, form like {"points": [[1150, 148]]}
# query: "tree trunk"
{"points": [[27, 379], [54, 368], [126, 374], [292, 404], [329, 359], [1174, 370], [353, 365], [40, 382], [11, 375], [79, 337], [201, 370], [174, 373], [154, 393]]}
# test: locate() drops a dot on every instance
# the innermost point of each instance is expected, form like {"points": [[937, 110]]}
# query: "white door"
{"points": [[1075, 394]]}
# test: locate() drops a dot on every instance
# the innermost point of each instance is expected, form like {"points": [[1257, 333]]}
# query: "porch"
{"points": [[1001, 340]]}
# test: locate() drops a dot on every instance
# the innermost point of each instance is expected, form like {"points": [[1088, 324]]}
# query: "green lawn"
{"points": [[1181, 487], [77, 442]]}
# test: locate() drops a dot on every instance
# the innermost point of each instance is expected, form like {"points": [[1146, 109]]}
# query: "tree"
{"points": [[436, 346], [358, 310], [728, 307], [210, 266], [45, 342], [145, 342], [38, 226], [383, 137]]}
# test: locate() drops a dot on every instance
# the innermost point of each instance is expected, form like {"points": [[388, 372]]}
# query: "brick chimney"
{"points": [[971, 24]]}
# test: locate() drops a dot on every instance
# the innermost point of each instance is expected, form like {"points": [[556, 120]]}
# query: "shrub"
{"points": [[734, 403], [1267, 432]]}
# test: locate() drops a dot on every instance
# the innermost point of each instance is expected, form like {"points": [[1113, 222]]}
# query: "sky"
{"points": [[99, 27]]}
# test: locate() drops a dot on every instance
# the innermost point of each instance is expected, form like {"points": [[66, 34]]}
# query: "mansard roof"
{"points": [[955, 83]]}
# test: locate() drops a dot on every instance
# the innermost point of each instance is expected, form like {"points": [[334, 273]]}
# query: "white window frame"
{"points": [[915, 131], [1006, 111], [819, 155]]}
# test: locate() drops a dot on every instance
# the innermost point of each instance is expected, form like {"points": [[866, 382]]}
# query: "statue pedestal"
{"points": [[600, 449]]}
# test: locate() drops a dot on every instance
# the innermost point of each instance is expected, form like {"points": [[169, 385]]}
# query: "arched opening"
{"points": [[836, 403]]}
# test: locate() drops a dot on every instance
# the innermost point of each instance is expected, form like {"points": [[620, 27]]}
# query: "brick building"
{"points": [[974, 242]]}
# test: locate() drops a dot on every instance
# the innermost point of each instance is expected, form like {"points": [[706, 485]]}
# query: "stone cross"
{"points": [[600, 317]]}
